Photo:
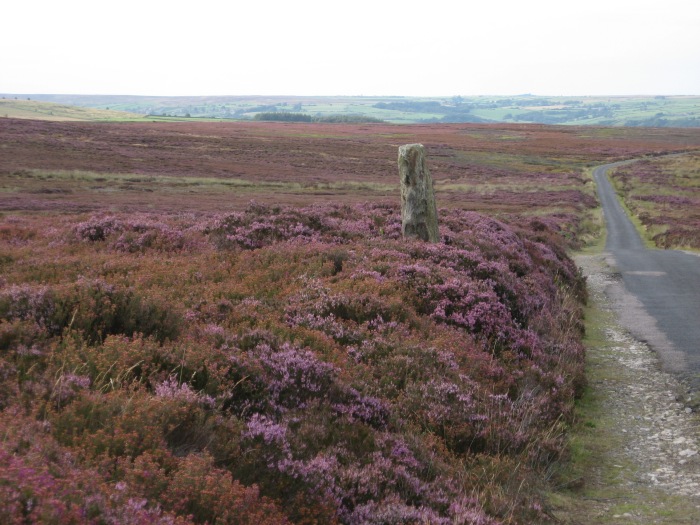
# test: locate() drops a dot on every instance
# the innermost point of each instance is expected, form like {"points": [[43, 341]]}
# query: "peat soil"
{"points": [[636, 452]]}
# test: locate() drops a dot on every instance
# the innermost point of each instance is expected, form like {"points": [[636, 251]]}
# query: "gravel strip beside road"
{"points": [[643, 448]]}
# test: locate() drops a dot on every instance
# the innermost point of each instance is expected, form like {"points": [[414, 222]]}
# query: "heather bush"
{"points": [[301, 365], [8, 383], [30, 303], [135, 234], [98, 228], [210, 495], [261, 225], [43, 482], [94, 307]]}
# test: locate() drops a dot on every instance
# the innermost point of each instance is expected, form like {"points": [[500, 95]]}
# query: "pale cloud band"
{"points": [[365, 47]]}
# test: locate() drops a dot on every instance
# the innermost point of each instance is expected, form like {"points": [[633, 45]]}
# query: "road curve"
{"points": [[661, 288]]}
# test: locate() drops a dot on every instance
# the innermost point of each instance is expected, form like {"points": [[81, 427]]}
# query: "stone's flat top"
{"points": [[406, 147]]}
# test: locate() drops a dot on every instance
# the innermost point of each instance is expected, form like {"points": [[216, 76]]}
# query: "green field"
{"points": [[32, 109], [657, 111]]}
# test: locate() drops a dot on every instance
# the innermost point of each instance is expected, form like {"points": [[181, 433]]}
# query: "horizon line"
{"points": [[3, 94]]}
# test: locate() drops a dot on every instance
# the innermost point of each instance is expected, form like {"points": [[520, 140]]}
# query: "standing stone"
{"points": [[418, 210]]}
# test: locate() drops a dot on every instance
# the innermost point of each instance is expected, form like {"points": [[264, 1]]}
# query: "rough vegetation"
{"points": [[279, 364], [498, 170]]}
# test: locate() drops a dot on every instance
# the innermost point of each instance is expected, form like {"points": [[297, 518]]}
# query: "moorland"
{"points": [[220, 322]]}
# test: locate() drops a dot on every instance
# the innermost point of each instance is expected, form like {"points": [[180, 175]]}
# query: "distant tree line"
{"points": [[414, 106], [458, 111], [457, 105], [660, 122], [285, 116], [349, 119], [559, 116]]}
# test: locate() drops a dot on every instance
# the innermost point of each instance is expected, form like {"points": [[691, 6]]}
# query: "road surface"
{"points": [[660, 292]]}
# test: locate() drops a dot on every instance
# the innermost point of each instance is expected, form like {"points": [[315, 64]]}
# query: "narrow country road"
{"points": [[660, 301]]}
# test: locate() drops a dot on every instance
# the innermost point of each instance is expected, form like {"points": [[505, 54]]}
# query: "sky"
{"points": [[358, 47]]}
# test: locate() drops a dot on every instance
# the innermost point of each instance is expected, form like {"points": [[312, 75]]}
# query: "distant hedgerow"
{"points": [[288, 116]]}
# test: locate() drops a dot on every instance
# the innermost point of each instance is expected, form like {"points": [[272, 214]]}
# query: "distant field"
{"points": [[654, 111], [33, 109]]}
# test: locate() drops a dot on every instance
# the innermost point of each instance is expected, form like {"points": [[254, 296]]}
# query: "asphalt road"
{"points": [[661, 288]]}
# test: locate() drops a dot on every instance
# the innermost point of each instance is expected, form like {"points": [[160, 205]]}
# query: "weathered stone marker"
{"points": [[418, 210]]}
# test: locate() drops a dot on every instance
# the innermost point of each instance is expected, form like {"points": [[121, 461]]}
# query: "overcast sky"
{"points": [[358, 47]]}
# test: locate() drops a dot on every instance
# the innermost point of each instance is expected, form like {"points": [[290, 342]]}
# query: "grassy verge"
{"points": [[188, 184], [591, 440], [592, 232]]}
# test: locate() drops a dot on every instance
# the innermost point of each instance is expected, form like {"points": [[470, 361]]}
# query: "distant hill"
{"points": [[657, 111], [27, 108]]}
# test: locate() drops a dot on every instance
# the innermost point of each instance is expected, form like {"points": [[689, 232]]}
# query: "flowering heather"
{"points": [[172, 389], [283, 365], [133, 234]]}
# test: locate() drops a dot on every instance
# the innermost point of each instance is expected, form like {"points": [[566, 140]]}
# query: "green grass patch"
{"points": [[32, 109], [127, 181]]}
